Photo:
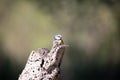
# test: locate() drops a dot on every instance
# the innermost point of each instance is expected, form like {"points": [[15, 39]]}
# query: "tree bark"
{"points": [[43, 64]]}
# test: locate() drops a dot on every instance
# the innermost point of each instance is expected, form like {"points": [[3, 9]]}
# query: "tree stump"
{"points": [[44, 64]]}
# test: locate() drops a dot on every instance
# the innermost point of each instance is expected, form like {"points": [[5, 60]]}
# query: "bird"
{"points": [[58, 39]]}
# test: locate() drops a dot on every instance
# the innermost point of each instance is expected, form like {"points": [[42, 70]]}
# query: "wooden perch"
{"points": [[44, 64]]}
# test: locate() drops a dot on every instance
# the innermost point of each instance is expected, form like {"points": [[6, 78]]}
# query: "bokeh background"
{"points": [[91, 28]]}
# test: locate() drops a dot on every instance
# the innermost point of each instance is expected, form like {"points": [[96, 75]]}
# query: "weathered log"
{"points": [[44, 64]]}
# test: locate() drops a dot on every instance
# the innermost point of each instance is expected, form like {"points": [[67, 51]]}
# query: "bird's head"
{"points": [[57, 37]]}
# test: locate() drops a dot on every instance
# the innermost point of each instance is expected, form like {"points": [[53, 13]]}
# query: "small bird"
{"points": [[58, 39]]}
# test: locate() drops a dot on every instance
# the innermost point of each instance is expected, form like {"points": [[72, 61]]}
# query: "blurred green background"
{"points": [[91, 28]]}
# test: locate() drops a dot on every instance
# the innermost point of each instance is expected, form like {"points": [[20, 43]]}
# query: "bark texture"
{"points": [[44, 64]]}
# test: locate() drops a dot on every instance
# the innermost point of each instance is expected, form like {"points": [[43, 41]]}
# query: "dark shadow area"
{"points": [[8, 69], [81, 69]]}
